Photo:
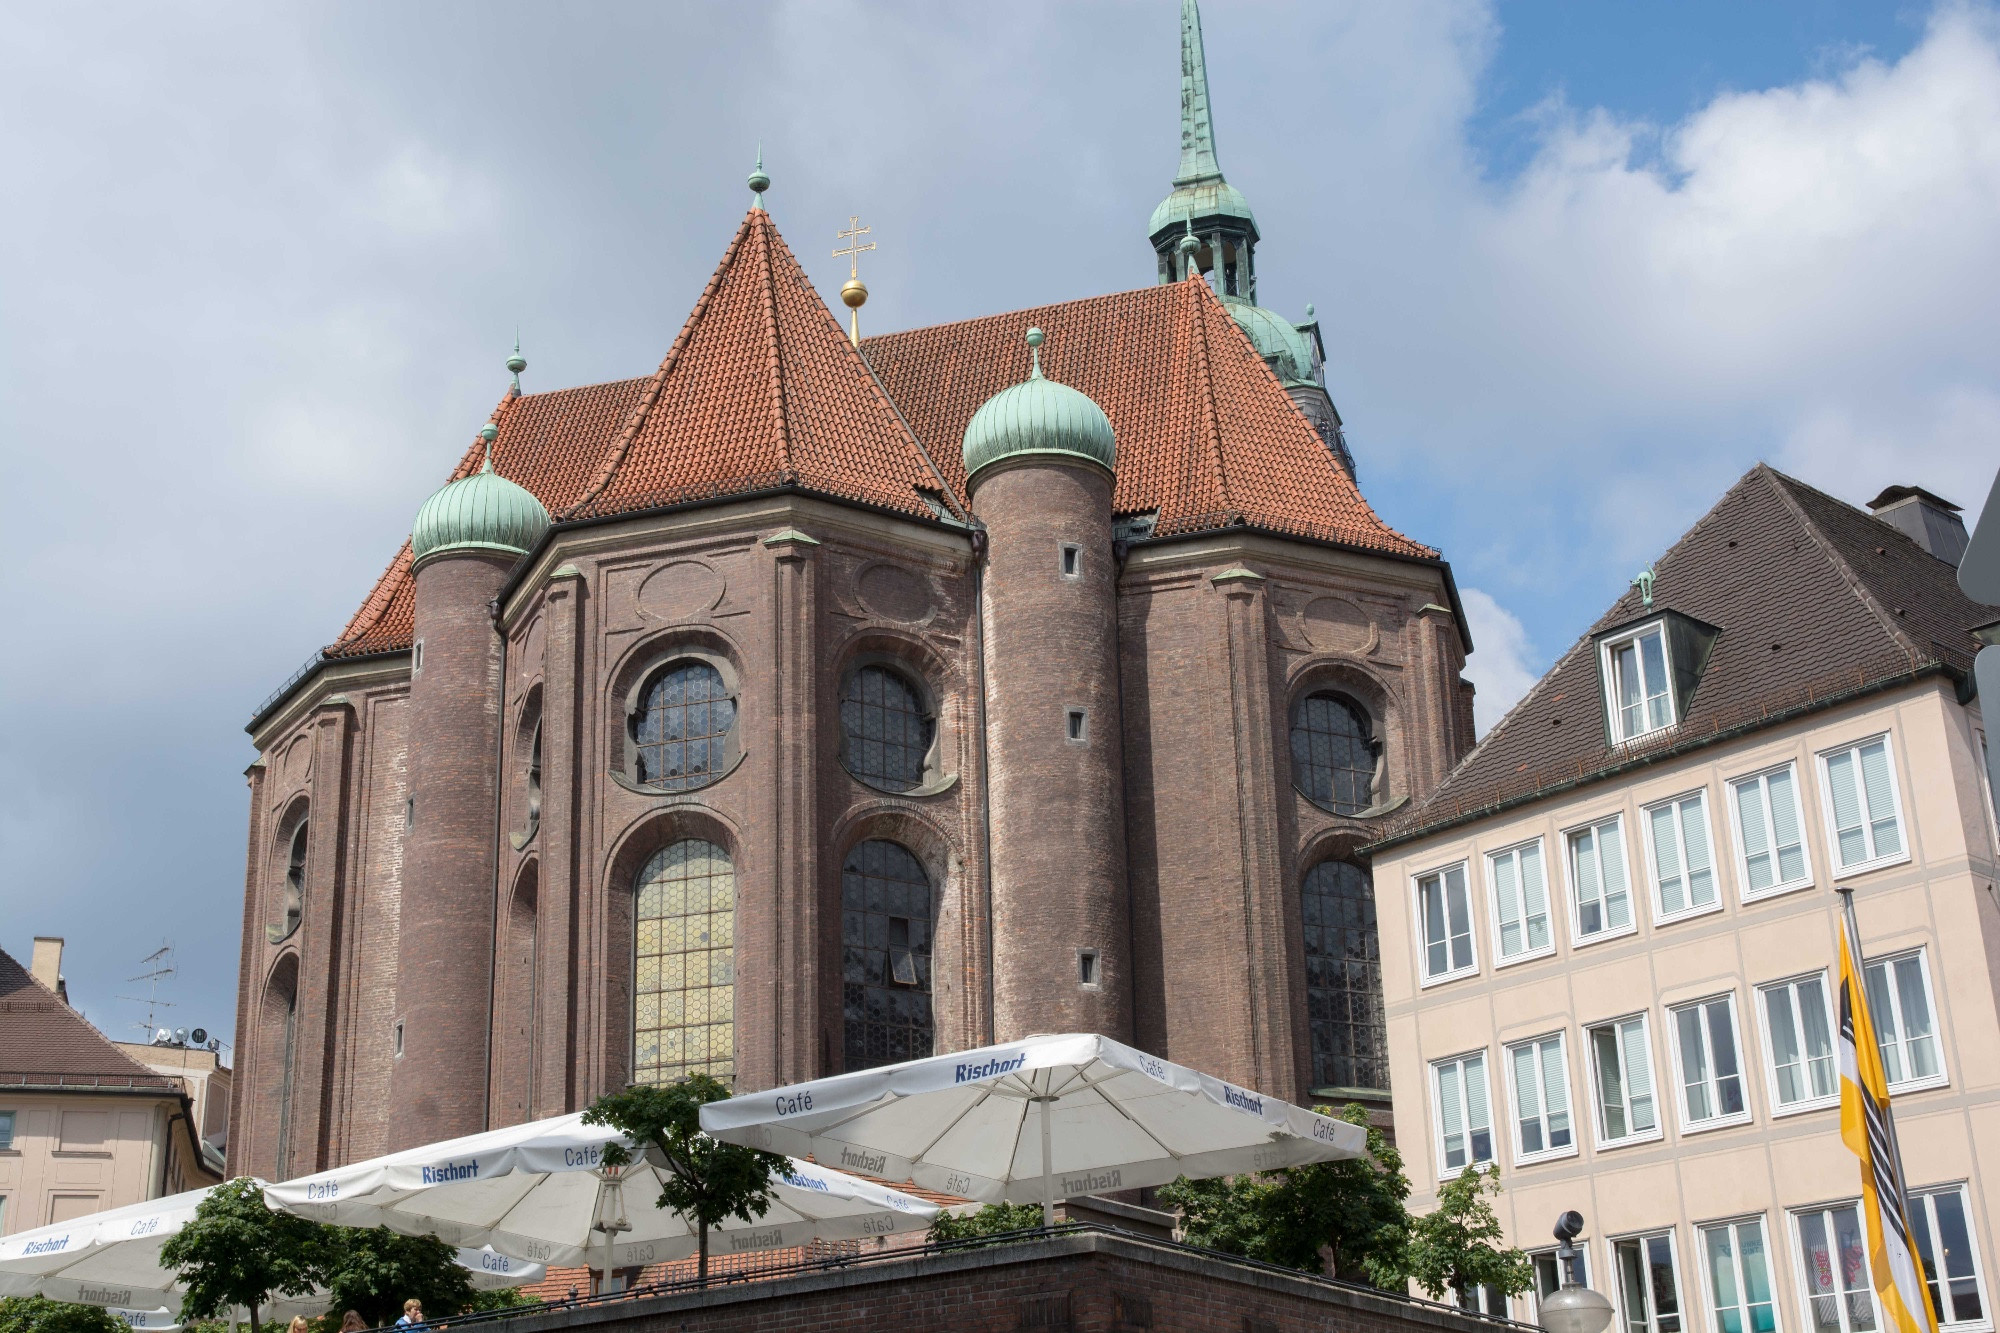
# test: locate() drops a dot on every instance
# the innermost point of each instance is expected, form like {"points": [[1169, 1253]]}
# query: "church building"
{"points": [[810, 704]]}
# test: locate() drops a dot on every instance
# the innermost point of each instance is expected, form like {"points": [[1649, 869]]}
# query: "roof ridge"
{"points": [[787, 464], [1205, 399], [1848, 574], [608, 469], [1017, 313]]}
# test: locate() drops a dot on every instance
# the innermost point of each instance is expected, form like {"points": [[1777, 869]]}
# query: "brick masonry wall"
{"points": [[1068, 1284]]}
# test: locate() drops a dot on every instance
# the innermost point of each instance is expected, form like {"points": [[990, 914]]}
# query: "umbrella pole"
{"points": [[1048, 1174]]}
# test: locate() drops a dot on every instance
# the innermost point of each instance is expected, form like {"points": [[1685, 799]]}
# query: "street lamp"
{"points": [[1574, 1308]]}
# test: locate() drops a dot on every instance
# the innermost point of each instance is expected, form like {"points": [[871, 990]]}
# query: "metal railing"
{"points": [[933, 1249]]}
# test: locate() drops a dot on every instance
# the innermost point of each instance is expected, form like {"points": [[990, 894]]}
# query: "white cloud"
{"points": [[1501, 667]]}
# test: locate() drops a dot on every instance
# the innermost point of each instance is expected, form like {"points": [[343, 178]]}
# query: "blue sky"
{"points": [[1579, 266]]}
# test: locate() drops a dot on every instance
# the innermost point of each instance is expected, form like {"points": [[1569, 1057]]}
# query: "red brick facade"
{"points": [[494, 916]]}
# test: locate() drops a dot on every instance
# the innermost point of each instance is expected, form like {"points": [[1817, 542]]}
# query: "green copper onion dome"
{"points": [[1038, 416], [1285, 350], [482, 512]]}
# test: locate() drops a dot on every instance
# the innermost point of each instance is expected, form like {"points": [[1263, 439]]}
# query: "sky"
{"points": [[1578, 267]]}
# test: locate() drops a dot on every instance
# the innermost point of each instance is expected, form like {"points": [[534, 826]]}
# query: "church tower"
{"points": [[1039, 460], [466, 539], [1205, 225]]}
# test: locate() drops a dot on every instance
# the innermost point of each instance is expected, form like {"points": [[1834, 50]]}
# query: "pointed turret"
{"points": [[1198, 162], [1203, 202]]}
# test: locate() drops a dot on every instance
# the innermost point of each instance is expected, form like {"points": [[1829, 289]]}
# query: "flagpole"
{"points": [[1869, 1129]]}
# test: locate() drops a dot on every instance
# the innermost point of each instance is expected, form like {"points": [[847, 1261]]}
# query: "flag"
{"points": [[1867, 1128]]}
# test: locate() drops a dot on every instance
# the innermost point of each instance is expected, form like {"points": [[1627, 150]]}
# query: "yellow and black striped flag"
{"points": [[1867, 1128]]}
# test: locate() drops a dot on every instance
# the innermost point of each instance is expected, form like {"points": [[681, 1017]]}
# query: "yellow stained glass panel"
{"points": [[685, 1005]]}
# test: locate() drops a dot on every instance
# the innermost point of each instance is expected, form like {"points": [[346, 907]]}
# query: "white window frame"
{"points": [[1595, 828], [1661, 916], [1921, 1206], [1437, 1068], [1500, 957], [1674, 1011], [1615, 1279], [1704, 1279], [1425, 979], [1873, 862], [8, 1117], [1607, 665], [1520, 1155], [1658, 1131], [1763, 778], [1795, 1234], [1779, 1107], [1922, 954]]}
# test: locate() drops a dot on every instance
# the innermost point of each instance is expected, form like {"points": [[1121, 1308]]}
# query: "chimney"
{"points": [[1928, 520], [46, 965]]}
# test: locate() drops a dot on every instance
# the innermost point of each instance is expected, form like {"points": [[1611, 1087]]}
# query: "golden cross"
{"points": [[855, 231]]}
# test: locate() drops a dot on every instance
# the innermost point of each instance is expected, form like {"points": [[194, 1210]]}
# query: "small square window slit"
{"points": [[399, 1041], [1088, 974], [1072, 560], [1079, 725]]}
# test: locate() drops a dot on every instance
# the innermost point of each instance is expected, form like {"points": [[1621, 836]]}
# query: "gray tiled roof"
{"points": [[1817, 602]]}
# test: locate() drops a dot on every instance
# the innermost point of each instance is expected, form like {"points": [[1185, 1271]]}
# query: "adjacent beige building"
{"points": [[1609, 939], [84, 1126]]}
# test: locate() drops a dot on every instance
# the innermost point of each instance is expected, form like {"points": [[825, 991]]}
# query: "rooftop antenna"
{"points": [[160, 964]]}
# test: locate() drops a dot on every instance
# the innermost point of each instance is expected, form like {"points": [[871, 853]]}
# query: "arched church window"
{"points": [[280, 1036], [292, 898], [885, 934], [682, 726], [684, 992], [1350, 1037], [1333, 753], [887, 729]]}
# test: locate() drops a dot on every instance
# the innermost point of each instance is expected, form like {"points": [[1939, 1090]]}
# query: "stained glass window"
{"points": [[1333, 754], [1350, 1038], [682, 727], [685, 991], [888, 732], [885, 933]]}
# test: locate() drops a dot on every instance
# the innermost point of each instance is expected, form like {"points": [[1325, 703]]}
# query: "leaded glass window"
{"points": [[685, 980], [682, 727], [1333, 753], [888, 731], [1350, 1038], [885, 933]]}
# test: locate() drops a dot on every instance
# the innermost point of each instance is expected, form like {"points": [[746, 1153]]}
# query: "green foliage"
{"points": [[35, 1314], [236, 1251], [374, 1271], [707, 1181], [503, 1298], [1348, 1215], [992, 1220], [1458, 1245]]}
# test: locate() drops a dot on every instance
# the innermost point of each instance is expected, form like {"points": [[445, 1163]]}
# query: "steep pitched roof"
{"points": [[43, 1042], [1816, 602], [762, 389], [1206, 434]]}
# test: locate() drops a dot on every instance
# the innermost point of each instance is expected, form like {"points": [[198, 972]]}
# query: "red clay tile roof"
{"points": [[45, 1043], [1206, 434], [761, 389], [1816, 602]]}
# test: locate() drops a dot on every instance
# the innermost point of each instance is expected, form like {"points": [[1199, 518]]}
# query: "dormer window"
{"points": [[1642, 695]]}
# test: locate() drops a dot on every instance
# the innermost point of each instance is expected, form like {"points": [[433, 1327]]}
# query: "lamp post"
{"points": [[1574, 1308]]}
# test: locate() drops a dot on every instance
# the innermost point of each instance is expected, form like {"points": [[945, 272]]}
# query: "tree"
{"points": [[706, 1181], [373, 1271], [1457, 1247], [1348, 1216], [236, 1251], [37, 1314], [994, 1219]]}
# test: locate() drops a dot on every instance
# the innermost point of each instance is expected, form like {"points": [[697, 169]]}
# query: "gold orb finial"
{"points": [[853, 293]]}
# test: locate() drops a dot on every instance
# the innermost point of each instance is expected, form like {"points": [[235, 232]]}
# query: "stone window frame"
{"points": [[638, 672], [1378, 705], [936, 689], [926, 987], [1328, 851], [528, 766], [294, 828]]}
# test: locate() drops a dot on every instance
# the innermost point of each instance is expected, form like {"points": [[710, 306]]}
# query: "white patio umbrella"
{"points": [[112, 1259], [542, 1190], [1033, 1121]]}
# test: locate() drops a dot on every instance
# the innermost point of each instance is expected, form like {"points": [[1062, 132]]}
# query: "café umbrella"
{"points": [[542, 1190], [1033, 1121], [112, 1259]]}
